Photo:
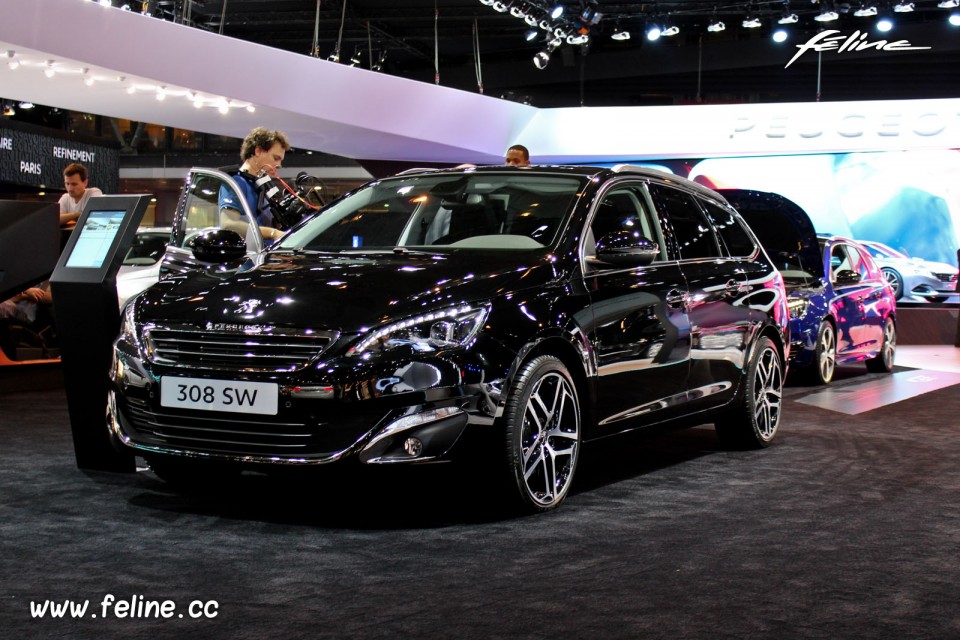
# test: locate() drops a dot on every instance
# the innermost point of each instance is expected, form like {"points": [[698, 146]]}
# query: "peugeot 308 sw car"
{"points": [[542, 307]]}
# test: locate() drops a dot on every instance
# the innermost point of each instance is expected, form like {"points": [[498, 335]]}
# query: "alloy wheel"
{"points": [[827, 353], [768, 392], [549, 439]]}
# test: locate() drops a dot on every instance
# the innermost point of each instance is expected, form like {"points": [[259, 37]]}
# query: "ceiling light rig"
{"points": [[59, 71], [866, 11], [904, 7], [716, 26]]}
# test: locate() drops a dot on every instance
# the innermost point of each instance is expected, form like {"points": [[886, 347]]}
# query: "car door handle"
{"points": [[734, 287], [676, 298]]}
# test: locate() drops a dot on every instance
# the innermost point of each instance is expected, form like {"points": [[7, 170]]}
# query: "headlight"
{"points": [[428, 332], [797, 306], [128, 327]]}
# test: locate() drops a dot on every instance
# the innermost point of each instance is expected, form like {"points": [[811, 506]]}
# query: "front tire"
{"points": [[895, 280], [755, 418], [883, 361], [542, 420], [825, 356]]}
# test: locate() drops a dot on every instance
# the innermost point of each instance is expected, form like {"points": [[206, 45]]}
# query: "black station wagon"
{"points": [[541, 306]]}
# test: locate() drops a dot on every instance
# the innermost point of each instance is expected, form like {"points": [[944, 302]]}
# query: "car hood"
{"points": [[781, 225], [341, 292]]}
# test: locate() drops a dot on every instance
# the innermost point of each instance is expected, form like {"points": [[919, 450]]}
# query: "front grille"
{"points": [[268, 437], [273, 350], [946, 277]]}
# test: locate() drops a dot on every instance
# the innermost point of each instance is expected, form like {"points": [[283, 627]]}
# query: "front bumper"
{"points": [[377, 415]]}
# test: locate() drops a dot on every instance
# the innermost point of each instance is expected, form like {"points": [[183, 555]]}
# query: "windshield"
{"points": [[882, 251], [462, 210]]}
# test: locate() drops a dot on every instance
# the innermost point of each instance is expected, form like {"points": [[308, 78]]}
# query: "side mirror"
{"points": [[627, 248], [218, 246], [846, 276]]}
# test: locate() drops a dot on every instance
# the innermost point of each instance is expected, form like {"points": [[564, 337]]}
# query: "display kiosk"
{"points": [[84, 291]]}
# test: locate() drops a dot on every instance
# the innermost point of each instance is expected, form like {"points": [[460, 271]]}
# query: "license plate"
{"points": [[219, 395]]}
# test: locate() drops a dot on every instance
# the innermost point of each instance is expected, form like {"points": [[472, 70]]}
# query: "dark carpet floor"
{"points": [[848, 527]]}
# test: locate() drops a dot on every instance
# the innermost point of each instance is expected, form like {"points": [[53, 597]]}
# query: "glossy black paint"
{"points": [[645, 344]]}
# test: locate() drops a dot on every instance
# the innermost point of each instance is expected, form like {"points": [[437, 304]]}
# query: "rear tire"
{"points": [[542, 429], [883, 361], [755, 418]]}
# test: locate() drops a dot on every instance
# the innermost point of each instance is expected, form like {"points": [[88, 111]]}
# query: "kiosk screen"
{"points": [[95, 239]]}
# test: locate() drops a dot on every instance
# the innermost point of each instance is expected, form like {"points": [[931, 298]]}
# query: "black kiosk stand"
{"points": [[84, 291]]}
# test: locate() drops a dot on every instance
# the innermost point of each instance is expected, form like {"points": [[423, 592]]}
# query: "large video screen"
{"points": [[907, 200]]}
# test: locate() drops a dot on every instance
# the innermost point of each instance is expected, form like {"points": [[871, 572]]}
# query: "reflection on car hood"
{"points": [[340, 291], [782, 227]]}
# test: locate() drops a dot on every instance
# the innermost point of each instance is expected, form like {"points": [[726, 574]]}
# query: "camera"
{"points": [[289, 207]]}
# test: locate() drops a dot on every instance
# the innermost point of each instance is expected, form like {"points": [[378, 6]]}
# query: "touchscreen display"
{"points": [[96, 237]]}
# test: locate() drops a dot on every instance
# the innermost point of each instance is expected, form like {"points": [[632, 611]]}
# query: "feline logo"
{"points": [[857, 41]]}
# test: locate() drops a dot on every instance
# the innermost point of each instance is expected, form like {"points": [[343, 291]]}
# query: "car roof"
{"points": [[584, 171]]}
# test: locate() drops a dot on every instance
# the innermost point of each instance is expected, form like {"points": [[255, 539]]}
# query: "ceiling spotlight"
{"points": [[542, 58], [531, 35], [556, 42], [866, 11], [884, 24], [486, 3], [530, 19], [8, 110], [251, 109], [716, 26], [788, 18], [517, 12], [903, 7], [500, 7], [106, 3], [355, 58], [949, 4], [545, 25], [26, 106], [620, 34], [827, 16], [125, 7], [224, 108], [954, 19], [654, 32], [751, 23], [780, 35], [14, 63], [580, 38], [335, 56], [672, 30], [557, 11], [378, 65], [49, 71], [162, 93]]}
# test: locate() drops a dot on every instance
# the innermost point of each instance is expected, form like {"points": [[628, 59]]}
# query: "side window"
{"points": [[623, 209], [693, 233], [839, 261], [732, 233], [860, 264]]}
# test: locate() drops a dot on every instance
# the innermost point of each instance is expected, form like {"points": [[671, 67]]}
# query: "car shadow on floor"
{"points": [[428, 496]]}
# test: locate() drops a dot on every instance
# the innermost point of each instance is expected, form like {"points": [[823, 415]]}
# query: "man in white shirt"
{"points": [[75, 199]]}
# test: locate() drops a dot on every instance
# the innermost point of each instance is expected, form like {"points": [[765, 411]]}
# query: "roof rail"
{"points": [[696, 186], [417, 170]]}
